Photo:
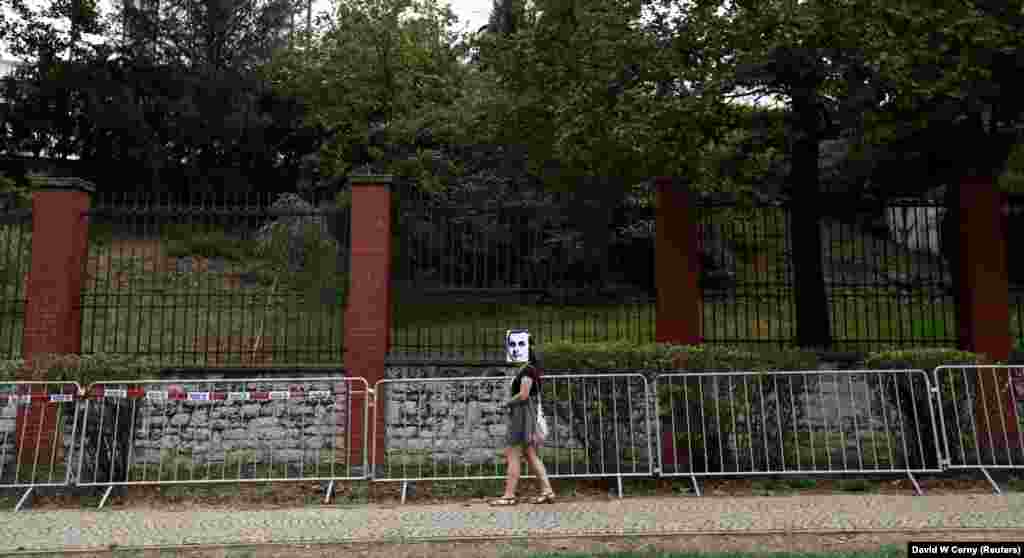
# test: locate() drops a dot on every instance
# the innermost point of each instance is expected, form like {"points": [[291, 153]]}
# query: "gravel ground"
{"points": [[56, 530]]}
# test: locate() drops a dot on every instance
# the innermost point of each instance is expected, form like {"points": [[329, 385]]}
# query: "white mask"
{"points": [[517, 346]]}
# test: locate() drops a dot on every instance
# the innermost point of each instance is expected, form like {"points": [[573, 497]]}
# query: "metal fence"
{"points": [[887, 282], [246, 281], [982, 417], [217, 431], [784, 423], [15, 261], [607, 425], [37, 428], [454, 429], [469, 263]]}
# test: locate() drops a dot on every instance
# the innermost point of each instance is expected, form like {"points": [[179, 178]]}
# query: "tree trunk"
{"points": [[951, 245], [813, 328]]}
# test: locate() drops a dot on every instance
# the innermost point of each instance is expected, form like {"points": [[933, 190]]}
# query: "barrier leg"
{"points": [[405, 488], [995, 485], [619, 482], [105, 496], [23, 499], [696, 485], [917, 487], [327, 494]]}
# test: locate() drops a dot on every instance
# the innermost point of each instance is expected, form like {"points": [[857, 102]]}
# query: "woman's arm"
{"points": [[524, 390]]}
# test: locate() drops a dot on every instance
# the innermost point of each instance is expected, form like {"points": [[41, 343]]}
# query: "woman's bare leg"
{"points": [[538, 466], [513, 457]]}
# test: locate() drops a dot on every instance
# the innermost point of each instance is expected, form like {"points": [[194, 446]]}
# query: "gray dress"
{"points": [[522, 424], [521, 420]]}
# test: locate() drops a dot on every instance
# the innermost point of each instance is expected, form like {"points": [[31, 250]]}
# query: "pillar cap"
{"points": [[367, 179], [67, 183]]}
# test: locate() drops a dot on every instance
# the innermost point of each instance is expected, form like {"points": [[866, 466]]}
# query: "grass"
{"points": [[42, 473], [421, 464], [891, 551], [184, 469], [804, 451], [784, 486], [206, 299], [859, 486], [557, 462], [442, 324]]}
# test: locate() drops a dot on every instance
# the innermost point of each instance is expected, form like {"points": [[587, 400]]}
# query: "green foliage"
{"points": [[22, 193], [920, 359], [1012, 179], [184, 241], [660, 356], [927, 329], [15, 257], [318, 269], [189, 110], [78, 368], [376, 75]]}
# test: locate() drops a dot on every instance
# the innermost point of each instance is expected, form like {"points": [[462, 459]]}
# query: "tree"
{"points": [[590, 100], [183, 108], [806, 54], [382, 78]]}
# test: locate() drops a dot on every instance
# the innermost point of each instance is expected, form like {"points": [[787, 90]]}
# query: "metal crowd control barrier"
{"points": [[217, 431], [796, 422], [981, 410], [454, 429], [37, 430]]}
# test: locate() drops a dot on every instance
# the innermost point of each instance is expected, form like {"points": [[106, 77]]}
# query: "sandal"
{"points": [[504, 502], [548, 498]]}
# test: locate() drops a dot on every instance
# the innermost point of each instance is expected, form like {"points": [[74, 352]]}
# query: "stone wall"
{"points": [[49, 460], [283, 430], [308, 427], [461, 422]]}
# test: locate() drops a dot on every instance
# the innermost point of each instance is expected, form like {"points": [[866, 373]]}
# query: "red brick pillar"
{"points": [[984, 312], [53, 320], [368, 316], [676, 266]]}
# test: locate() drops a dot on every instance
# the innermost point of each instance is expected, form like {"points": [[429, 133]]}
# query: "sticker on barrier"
{"points": [[212, 431], [455, 429], [981, 411], [796, 422], [38, 425]]}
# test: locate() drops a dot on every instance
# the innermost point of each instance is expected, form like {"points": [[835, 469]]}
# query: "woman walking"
{"points": [[523, 434]]}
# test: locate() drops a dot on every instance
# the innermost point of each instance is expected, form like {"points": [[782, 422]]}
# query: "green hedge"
{"points": [[922, 359], [555, 356], [663, 356], [82, 369]]}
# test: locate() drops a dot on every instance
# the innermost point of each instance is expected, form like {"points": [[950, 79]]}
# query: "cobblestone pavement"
{"points": [[87, 529]]}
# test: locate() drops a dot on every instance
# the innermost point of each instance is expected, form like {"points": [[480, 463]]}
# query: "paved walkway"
{"points": [[85, 529]]}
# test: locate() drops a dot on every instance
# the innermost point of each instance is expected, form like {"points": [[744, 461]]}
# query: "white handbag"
{"points": [[542, 423]]}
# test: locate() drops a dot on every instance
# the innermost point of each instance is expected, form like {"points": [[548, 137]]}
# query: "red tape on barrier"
{"points": [[103, 392]]}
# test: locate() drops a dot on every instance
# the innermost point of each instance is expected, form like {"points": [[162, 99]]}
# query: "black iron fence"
{"points": [[258, 281], [217, 282], [886, 277], [469, 265], [15, 261], [1016, 270]]}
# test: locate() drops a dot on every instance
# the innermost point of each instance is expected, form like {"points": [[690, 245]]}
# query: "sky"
{"points": [[472, 14]]}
